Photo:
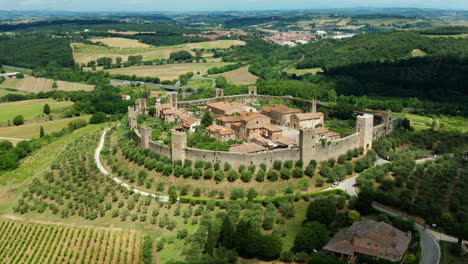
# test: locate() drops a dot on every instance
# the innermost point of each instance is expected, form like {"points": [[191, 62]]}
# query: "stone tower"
{"points": [[140, 105], [172, 98], [132, 118], [307, 144], [313, 106], [219, 93], [364, 126], [252, 90], [146, 135], [179, 144]]}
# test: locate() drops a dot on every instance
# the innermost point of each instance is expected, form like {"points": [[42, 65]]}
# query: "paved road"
{"points": [[430, 246], [97, 159], [16, 139]]}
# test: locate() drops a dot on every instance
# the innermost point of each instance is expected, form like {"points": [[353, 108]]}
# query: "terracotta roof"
{"points": [[268, 127], [321, 130], [220, 130], [164, 106], [225, 105], [308, 116], [230, 119], [281, 109], [289, 141], [155, 94], [253, 116], [247, 148], [391, 242]]}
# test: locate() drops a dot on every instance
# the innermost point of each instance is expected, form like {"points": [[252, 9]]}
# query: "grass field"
{"points": [[200, 84], [4, 92], [241, 75], [121, 42], [29, 108], [36, 85], [168, 71], [304, 71], [418, 53], [31, 130], [84, 53], [25, 242], [446, 122]]}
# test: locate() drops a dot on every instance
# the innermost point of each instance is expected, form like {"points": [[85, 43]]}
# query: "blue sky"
{"points": [[201, 5]]}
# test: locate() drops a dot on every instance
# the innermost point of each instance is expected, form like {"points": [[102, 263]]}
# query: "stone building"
{"points": [[225, 108], [324, 133], [221, 133], [372, 239], [280, 114], [228, 121], [249, 124], [168, 113], [306, 120]]}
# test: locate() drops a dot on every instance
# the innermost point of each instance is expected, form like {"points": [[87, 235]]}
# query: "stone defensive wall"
{"points": [[309, 149], [369, 127], [238, 159]]}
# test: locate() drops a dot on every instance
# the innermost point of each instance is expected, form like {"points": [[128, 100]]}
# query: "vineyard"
{"points": [[36, 85], [24, 242]]}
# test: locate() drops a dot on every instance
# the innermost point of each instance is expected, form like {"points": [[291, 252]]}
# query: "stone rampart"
{"points": [[161, 149], [309, 147], [238, 159]]}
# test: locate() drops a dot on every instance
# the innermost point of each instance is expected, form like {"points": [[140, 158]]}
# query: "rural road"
{"points": [[97, 159], [16, 139]]}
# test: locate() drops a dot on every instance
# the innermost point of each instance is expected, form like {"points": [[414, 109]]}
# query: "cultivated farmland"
{"points": [[36, 85], [83, 53], [241, 75], [121, 43], [168, 71], [24, 242]]}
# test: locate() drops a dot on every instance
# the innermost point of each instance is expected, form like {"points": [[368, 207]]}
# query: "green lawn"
{"points": [[304, 71], [294, 225], [200, 84], [29, 108], [448, 257]]}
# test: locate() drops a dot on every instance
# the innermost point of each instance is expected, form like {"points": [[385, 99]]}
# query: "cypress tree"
{"points": [[41, 132], [46, 109]]}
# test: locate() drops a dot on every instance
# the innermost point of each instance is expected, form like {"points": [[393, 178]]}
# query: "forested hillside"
{"points": [[377, 47], [37, 50]]}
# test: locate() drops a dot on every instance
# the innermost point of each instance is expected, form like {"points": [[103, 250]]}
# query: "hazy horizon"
{"points": [[216, 5]]}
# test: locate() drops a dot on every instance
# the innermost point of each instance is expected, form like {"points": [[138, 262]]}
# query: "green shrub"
{"points": [[246, 176], [208, 174], [285, 173], [288, 164], [260, 175], [277, 165], [298, 172], [219, 175], [272, 175], [232, 175]]}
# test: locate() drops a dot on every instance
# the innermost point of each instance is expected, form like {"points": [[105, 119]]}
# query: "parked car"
{"points": [[335, 184]]}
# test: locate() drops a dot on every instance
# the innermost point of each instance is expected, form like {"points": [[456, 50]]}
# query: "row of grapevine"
{"points": [[32, 243]]}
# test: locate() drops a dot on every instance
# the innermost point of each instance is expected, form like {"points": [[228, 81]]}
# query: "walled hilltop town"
{"points": [[261, 136]]}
